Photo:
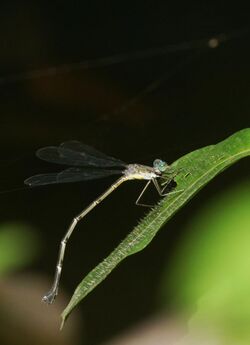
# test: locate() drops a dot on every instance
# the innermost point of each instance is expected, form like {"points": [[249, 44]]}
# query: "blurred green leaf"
{"points": [[18, 246], [194, 170], [211, 270]]}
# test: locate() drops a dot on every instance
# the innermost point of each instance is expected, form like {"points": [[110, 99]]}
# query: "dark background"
{"points": [[202, 97]]}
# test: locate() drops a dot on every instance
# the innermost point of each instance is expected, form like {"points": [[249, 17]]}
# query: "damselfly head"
{"points": [[159, 165]]}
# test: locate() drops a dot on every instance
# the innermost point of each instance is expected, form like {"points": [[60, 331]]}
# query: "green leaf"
{"points": [[18, 246], [211, 287], [192, 172]]}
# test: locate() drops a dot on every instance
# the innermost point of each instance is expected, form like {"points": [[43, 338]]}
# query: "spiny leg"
{"points": [[161, 190], [141, 194]]}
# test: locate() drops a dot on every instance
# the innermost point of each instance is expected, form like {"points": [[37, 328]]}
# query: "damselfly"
{"points": [[88, 164]]}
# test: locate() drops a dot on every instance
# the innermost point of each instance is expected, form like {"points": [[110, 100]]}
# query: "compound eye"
{"points": [[160, 165]]}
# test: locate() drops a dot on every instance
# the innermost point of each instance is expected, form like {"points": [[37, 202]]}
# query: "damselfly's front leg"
{"points": [[161, 190]]}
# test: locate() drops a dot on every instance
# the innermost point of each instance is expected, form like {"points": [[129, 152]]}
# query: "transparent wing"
{"points": [[75, 145], [70, 175], [77, 154]]}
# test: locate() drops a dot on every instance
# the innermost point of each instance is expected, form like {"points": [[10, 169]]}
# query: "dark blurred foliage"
{"points": [[203, 97]]}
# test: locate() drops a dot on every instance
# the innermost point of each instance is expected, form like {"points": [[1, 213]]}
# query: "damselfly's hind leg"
{"points": [[159, 190], [141, 194]]}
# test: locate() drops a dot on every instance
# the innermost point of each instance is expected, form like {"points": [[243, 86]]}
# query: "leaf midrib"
{"points": [[190, 187]]}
